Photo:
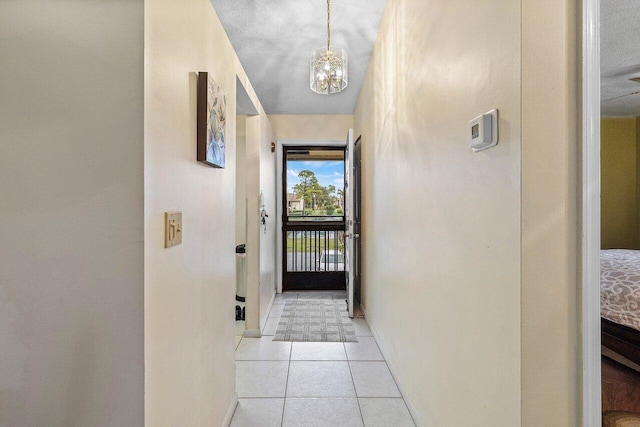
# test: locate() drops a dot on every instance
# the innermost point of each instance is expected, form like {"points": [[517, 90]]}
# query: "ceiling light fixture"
{"points": [[328, 67]]}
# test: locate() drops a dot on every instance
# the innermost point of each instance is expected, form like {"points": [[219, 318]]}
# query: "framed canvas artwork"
{"points": [[212, 106]]}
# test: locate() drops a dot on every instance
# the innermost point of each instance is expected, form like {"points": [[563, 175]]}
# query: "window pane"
{"points": [[315, 185]]}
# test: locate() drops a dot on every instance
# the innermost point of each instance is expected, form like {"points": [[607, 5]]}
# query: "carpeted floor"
{"points": [[316, 321]]}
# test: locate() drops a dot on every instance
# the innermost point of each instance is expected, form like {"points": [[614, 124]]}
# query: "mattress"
{"points": [[620, 287]]}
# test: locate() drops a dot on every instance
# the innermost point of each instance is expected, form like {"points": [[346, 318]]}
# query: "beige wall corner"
{"points": [[549, 214], [311, 127]]}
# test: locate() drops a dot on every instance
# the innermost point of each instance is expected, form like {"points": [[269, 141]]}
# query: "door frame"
{"points": [[357, 217], [279, 202], [590, 369], [325, 280]]}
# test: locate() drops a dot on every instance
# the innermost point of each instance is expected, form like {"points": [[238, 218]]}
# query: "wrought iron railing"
{"points": [[315, 250]]}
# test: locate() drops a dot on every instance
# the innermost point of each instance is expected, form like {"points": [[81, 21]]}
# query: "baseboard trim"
{"points": [[263, 324], [230, 411], [412, 409], [252, 333]]}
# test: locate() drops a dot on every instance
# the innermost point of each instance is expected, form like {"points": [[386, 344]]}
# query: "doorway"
{"points": [[313, 218], [619, 245]]}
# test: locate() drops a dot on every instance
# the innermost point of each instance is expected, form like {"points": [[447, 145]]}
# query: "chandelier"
{"points": [[328, 67]]}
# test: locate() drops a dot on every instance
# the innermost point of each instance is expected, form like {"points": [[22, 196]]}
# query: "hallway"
{"points": [[144, 140], [315, 383]]}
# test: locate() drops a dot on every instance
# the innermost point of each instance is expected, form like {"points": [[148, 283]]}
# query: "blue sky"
{"points": [[328, 172]]}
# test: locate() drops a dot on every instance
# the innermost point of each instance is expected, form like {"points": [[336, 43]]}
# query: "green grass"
{"points": [[319, 212], [310, 245]]}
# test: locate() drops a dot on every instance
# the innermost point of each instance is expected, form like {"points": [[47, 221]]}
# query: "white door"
{"points": [[348, 218]]}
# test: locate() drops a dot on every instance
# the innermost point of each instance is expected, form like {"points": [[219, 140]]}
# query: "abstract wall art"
{"points": [[211, 122]]}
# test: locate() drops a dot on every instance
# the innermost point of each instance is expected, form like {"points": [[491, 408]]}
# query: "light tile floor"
{"points": [[240, 324], [315, 384]]}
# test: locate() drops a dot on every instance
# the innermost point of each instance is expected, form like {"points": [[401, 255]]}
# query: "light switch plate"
{"points": [[172, 229]]}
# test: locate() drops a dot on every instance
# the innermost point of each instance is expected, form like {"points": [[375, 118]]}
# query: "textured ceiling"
{"points": [[274, 40], [620, 57]]}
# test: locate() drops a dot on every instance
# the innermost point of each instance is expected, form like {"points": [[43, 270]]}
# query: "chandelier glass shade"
{"points": [[328, 68]]}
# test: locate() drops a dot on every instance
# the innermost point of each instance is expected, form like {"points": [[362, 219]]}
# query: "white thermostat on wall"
{"points": [[483, 131]]}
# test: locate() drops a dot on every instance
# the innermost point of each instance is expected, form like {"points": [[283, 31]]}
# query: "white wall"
{"points": [[489, 244], [241, 171], [441, 224], [268, 235], [253, 225], [71, 201], [260, 177], [189, 289]]}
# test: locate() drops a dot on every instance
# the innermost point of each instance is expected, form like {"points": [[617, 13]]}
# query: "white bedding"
{"points": [[620, 286]]}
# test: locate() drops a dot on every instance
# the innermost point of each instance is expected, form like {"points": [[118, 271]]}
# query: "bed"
{"points": [[620, 302]]}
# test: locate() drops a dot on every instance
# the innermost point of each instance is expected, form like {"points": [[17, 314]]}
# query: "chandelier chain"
{"points": [[328, 24]]}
